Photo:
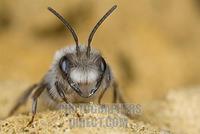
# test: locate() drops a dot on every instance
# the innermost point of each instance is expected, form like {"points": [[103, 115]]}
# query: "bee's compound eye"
{"points": [[102, 64], [65, 65]]}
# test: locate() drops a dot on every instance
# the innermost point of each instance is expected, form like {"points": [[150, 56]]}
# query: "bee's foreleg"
{"points": [[36, 94], [22, 99]]}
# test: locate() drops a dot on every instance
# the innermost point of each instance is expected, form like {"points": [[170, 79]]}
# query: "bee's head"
{"points": [[82, 67], [84, 74]]}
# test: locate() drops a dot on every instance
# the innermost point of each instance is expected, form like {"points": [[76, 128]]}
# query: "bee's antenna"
{"points": [[68, 26], [96, 27]]}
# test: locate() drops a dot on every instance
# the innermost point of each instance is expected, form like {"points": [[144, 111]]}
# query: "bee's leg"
{"points": [[64, 98], [116, 94], [22, 99], [36, 94], [101, 96]]}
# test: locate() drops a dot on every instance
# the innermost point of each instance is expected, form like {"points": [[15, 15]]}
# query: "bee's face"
{"points": [[84, 74]]}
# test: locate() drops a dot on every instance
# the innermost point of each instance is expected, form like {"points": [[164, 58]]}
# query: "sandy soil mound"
{"points": [[178, 113], [58, 122]]}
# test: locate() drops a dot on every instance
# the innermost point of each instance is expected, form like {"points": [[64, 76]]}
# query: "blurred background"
{"points": [[151, 46]]}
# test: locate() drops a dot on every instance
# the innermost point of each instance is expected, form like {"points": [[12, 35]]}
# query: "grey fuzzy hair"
{"points": [[72, 50], [53, 74]]}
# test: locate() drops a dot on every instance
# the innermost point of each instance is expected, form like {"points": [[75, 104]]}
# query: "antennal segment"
{"points": [[96, 27], [69, 27]]}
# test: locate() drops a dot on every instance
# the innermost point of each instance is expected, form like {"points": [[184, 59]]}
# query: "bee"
{"points": [[78, 73]]}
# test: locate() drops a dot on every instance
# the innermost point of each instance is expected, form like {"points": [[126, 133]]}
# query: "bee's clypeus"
{"points": [[79, 73]]}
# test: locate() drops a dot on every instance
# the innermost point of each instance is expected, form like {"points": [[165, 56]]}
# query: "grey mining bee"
{"points": [[79, 73]]}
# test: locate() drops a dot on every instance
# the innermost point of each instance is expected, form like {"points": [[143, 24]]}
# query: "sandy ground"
{"points": [[58, 121], [178, 113]]}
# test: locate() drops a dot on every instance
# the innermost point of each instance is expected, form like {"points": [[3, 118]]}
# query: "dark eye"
{"points": [[65, 65], [102, 64]]}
